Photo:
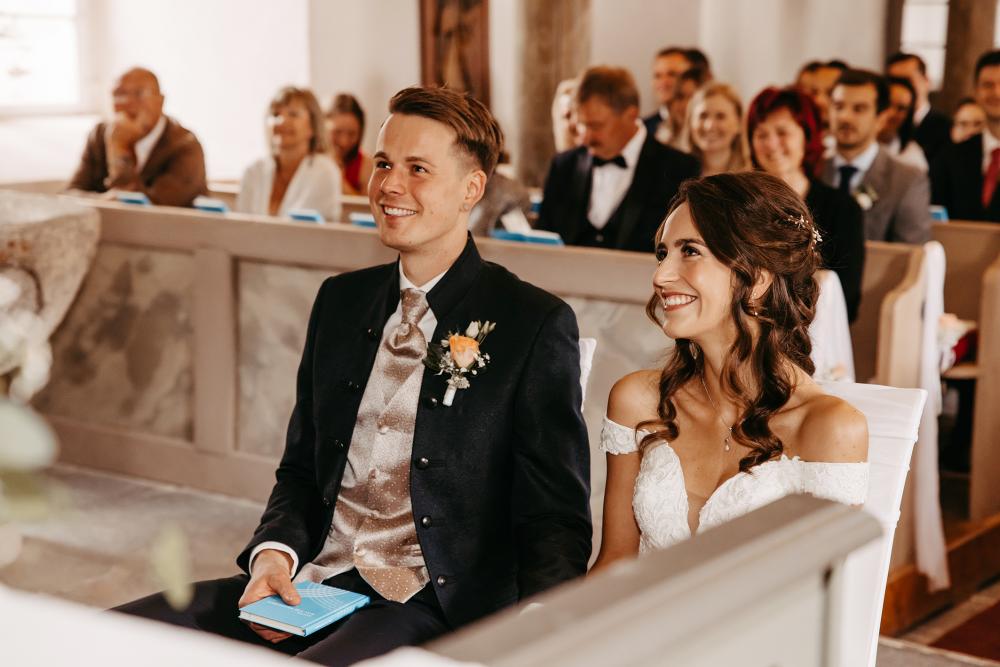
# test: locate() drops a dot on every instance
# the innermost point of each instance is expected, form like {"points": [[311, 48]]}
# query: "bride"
{"points": [[733, 421]]}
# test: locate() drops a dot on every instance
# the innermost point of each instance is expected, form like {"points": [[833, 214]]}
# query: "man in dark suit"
{"points": [[894, 196], [931, 129], [441, 505], [668, 66], [142, 150], [964, 177], [615, 189]]}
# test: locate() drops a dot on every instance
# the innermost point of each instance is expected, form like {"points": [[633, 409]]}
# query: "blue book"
{"points": [[528, 236], [321, 605], [203, 203], [362, 219], [306, 215], [139, 198]]}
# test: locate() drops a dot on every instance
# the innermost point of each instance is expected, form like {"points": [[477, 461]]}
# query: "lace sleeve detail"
{"points": [[841, 482], [618, 439]]}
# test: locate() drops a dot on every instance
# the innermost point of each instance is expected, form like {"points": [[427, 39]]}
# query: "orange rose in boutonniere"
{"points": [[463, 350], [459, 356]]}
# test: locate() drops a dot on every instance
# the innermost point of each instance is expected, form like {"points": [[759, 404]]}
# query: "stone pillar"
{"points": [[970, 33], [556, 46]]}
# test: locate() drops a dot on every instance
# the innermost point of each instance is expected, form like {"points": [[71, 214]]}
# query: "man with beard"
{"points": [[895, 197], [965, 175]]}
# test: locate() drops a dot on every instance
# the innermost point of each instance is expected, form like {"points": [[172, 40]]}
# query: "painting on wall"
{"points": [[454, 45]]}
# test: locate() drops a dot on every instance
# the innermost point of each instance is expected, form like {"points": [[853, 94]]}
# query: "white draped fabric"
{"points": [[931, 550], [831, 332]]}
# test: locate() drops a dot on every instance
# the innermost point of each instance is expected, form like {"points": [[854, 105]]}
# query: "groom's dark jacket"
{"points": [[503, 474]]}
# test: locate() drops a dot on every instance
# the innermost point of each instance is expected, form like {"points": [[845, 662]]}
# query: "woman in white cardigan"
{"points": [[298, 174]]}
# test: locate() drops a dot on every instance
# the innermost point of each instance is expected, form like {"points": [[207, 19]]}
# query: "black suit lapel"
{"points": [[631, 206], [971, 179], [579, 195]]}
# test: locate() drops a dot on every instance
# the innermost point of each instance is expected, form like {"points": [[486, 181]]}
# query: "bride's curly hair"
{"points": [[750, 222]]}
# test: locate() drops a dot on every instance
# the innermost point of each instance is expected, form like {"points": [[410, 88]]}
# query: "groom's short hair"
{"points": [[477, 132]]}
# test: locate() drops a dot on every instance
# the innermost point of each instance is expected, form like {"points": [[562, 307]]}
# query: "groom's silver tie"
{"points": [[387, 553]]}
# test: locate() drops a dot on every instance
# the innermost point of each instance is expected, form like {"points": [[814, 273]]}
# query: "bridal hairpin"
{"points": [[801, 223]]}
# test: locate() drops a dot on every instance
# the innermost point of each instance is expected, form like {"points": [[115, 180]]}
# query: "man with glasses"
{"points": [[141, 149]]}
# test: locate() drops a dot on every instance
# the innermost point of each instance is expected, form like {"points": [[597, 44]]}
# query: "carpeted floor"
{"points": [[978, 636]]}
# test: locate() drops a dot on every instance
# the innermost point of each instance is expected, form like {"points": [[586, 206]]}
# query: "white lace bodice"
{"points": [[660, 500]]}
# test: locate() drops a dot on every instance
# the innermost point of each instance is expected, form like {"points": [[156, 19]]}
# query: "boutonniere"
{"points": [[458, 357], [866, 197]]}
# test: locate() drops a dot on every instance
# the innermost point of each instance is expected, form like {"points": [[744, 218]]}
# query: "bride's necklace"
{"points": [[725, 443]]}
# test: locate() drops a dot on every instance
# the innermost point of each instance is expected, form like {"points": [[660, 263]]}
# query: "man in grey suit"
{"points": [[895, 197]]}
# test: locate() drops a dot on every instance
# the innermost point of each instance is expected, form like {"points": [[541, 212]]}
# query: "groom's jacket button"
{"points": [[423, 462], [339, 444], [431, 402], [442, 580], [352, 386], [425, 521], [327, 502], [371, 333]]}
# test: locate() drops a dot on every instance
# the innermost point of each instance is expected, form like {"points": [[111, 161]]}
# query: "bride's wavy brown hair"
{"points": [[750, 222]]}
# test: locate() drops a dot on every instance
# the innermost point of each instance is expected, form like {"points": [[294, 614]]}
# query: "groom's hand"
{"points": [[271, 575]]}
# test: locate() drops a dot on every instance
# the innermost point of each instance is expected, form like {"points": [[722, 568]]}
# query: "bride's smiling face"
{"points": [[693, 287]]}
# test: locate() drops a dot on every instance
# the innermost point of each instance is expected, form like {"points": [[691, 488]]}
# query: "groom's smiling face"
{"points": [[420, 188]]}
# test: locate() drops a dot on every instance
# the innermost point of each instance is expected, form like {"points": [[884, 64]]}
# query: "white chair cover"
{"points": [[587, 348], [831, 332], [929, 543], [893, 420]]}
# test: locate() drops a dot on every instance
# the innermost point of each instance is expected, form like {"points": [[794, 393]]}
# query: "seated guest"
{"points": [[969, 120], [346, 122], [965, 175], [699, 60], [732, 419], [894, 196], [715, 129], [614, 190], [783, 127], [805, 80], [930, 127], [298, 174], [141, 149], [689, 82], [564, 132], [668, 66], [896, 135], [503, 194], [819, 85]]}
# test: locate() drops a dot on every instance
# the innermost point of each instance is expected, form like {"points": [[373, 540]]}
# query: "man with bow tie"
{"points": [[614, 190]]}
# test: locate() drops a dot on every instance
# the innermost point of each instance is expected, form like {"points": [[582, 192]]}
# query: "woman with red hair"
{"points": [[785, 139]]}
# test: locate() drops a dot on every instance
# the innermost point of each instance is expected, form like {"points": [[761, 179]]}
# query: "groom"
{"points": [[440, 513]]}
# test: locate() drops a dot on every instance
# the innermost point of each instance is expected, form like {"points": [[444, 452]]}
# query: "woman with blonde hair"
{"points": [[298, 173], [715, 129]]}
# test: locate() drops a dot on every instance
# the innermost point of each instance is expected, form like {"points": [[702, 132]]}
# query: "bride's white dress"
{"points": [[667, 514]]}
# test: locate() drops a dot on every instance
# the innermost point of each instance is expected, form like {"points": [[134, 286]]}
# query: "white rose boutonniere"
{"points": [[459, 356], [866, 197]]}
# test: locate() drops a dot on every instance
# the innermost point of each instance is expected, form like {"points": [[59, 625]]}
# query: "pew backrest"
{"points": [[886, 334]]}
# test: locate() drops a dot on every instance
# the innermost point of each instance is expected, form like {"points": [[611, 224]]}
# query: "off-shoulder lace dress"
{"points": [[666, 513]]}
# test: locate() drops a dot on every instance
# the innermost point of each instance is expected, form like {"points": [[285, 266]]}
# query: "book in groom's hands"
{"points": [[321, 605]]}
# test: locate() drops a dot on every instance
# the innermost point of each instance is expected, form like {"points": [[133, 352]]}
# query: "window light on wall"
{"points": [[39, 55], [925, 32]]}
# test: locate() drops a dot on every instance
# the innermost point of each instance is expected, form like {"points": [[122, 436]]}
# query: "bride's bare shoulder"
{"points": [[833, 430], [635, 398]]}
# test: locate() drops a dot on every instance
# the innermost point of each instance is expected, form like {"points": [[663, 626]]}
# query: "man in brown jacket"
{"points": [[142, 150]]}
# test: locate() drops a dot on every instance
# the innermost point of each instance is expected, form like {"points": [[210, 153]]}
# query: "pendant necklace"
{"points": [[725, 442]]}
